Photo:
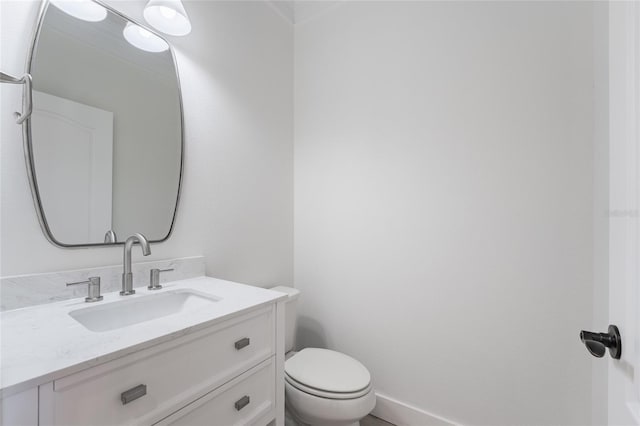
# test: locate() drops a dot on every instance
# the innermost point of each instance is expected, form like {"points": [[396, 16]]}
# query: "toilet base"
{"points": [[316, 411], [290, 419]]}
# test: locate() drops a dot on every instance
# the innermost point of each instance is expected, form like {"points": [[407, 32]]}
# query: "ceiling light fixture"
{"points": [[144, 39], [168, 16], [82, 9]]}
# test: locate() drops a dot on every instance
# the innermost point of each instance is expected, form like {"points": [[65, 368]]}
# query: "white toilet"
{"points": [[323, 387]]}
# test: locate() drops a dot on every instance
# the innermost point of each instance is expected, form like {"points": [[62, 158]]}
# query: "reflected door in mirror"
{"points": [[75, 173]]}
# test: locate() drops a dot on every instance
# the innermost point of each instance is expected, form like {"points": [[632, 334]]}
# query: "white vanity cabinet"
{"points": [[218, 363], [224, 374], [20, 409]]}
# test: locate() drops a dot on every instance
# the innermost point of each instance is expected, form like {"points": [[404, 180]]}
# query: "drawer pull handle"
{"points": [[242, 343], [242, 402], [133, 394]]}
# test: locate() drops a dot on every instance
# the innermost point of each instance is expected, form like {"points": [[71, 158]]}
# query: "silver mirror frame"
{"points": [[28, 147]]}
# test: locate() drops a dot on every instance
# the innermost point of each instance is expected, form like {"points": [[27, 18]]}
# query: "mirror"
{"points": [[105, 141]]}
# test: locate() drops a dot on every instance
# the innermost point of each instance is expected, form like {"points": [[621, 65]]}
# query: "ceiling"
{"points": [[106, 37]]}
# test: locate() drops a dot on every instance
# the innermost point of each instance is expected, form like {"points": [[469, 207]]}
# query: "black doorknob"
{"points": [[597, 343]]}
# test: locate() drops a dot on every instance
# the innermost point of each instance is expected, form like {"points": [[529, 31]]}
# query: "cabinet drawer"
{"points": [[174, 373], [248, 399]]}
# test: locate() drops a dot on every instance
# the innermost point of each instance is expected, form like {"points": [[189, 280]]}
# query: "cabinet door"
{"points": [[20, 409], [247, 400]]}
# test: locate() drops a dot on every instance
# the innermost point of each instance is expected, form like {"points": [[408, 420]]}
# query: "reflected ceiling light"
{"points": [[144, 39], [82, 9], [168, 16]]}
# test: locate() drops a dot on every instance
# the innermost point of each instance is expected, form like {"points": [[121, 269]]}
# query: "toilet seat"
{"points": [[325, 394], [327, 374]]}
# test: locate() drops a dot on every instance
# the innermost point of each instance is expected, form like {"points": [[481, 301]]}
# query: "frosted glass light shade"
{"points": [[144, 39], [82, 9], [168, 16]]}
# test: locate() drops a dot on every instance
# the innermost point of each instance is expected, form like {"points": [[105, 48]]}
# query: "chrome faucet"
{"points": [[127, 276]]}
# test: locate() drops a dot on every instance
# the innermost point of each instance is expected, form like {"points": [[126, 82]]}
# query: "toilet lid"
{"points": [[328, 371]]}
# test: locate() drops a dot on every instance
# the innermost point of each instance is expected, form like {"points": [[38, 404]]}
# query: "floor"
{"points": [[374, 421]]}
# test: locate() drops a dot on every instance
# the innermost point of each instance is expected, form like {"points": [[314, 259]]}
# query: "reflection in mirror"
{"points": [[106, 130]]}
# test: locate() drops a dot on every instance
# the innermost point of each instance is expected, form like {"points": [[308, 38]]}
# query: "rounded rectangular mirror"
{"points": [[105, 140]]}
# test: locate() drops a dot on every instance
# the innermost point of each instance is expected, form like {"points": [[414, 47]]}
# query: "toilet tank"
{"points": [[290, 314]]}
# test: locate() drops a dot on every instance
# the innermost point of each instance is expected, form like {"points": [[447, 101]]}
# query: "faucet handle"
{"points": [[154, 278], [94, 289], [110, 237]]}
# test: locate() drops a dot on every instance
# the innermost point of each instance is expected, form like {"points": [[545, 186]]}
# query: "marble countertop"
{"points": [[43, 343]]}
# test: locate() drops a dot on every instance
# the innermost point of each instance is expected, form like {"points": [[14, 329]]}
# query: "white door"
{"points": [[74, 157], [624, 197]]}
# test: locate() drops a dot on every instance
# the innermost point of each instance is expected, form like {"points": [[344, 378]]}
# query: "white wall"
{"points": [[236, 206], [444, 202]]}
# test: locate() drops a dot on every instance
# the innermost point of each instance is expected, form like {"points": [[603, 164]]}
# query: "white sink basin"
{"points": [[139, 309]]}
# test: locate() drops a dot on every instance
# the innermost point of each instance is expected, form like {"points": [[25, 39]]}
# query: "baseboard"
{"points": [[402, 414]]}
